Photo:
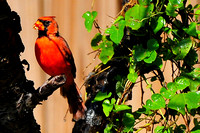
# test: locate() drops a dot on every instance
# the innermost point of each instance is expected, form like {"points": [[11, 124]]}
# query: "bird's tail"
{"points": [[75, 101]]}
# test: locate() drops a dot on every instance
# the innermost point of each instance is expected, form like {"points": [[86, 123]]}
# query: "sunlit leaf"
{"points": [[172, 6], [89, 19], [191, 30], [156, 103], [158, 24], [151, 58], [121, 107], [108, 128], [135, 16], [162, 129], [182, 48], [107, 51], [101, 96], [132, 77], [108, 106], [179, 101], [116, 33]]}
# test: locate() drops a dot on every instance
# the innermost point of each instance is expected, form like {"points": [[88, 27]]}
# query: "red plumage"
{"points": [[54, 56]]}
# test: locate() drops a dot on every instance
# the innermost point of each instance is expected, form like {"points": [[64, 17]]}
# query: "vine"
{"points": [[145, 36]]}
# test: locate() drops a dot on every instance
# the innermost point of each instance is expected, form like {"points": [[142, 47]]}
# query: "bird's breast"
{"points": [[50, 57]]}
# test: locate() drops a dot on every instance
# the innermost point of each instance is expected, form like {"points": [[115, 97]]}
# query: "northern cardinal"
{"points": [[55, 57]]}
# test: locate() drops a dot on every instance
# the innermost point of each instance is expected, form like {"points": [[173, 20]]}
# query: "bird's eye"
{"points": [[46, 23]]}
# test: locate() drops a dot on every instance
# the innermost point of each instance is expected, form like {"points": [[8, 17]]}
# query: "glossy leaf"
{"points": [[151, 58], [108, 106], [179, 101], [191, 30], [167, 93], [107, 51], [116, 33], [182, 48], [172, 6], [135, 16], [132, 77], [101, 96], [121, 107], [156, 103], [192, 100], [182, 83], [194, 78], [197, 14], [89, 19], [158, 24], [118, 19]]}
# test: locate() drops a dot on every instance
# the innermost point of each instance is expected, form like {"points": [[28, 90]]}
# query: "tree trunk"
{"points": [[18, 97]]}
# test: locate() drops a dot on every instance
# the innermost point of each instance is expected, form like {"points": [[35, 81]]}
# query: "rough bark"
{"points": [[18, 97]]}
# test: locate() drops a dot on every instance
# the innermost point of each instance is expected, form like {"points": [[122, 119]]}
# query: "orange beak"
{"points": [[38, 25], [35, 27]]}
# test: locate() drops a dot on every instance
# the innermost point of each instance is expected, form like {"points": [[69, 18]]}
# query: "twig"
{"points": [[28, 101]]}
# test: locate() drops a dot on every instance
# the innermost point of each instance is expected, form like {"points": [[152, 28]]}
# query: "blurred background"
{"points": [[51, 114]]}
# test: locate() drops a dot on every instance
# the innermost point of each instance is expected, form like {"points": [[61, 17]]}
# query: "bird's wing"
{"points": [[65, 50]]}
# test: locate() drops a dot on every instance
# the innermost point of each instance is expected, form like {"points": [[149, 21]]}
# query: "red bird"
{"points": [[54, 56]]}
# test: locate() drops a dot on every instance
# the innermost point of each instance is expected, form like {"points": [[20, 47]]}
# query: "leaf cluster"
{"points": [[148, 35]]}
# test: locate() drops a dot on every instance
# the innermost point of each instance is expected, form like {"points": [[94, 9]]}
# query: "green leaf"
{"points": [[151, 58], [179, 84], [157, 103], [132, 77], [167, 93], [179, 101], [120, 18], [158, 62], [191, 30], [158, 24], [107, 106], [144, 2], [197, 14], [194, 78], [116, 34], [191, 58], [162, 129], [119, 87], [170, 10], [107, 51], [121, 107], [192, 100], [136, 16], [101, 96], [182, 82], [196, 129], [108, 128], [172, 6], [128, 121], [89, 19], [152, 44], [95, 40], [182, 48], [177, 3], [140, 53]]}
